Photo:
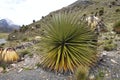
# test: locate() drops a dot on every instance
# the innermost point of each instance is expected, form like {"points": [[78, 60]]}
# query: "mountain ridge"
{"points": [[7, 25]]}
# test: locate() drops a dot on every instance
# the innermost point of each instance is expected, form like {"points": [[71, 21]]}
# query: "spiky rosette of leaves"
{"points": [[69, 43]]}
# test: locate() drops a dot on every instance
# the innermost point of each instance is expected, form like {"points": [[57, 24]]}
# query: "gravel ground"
{"points": [[37, 74], [27, 70], [108, 68]]}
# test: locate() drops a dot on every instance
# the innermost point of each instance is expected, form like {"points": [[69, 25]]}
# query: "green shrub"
{"points": [[3, 65], [27, 68], [25, 39], [100, 43], [23, 28], [81, 73], [117, 10], [37, 25], [101, 12], [100, 75], [116, 27], [30, 55], [33, 21], [1, 45], [117, 24], [113, 3], [24, 52], [68, 43], [38, 65], [109, 41], [110, 47], [15, 31]]}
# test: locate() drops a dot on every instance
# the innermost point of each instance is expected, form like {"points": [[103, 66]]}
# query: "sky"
{"points": [[25, 11]]}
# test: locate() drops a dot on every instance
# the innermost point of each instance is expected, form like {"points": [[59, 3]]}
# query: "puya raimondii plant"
{"points": [[69, 43]]}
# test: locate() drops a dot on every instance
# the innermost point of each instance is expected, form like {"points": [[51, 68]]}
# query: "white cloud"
{"points": [[24, 11]]}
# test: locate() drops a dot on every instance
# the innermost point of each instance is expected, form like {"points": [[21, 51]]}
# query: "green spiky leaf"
{"points": [[69, 43]]}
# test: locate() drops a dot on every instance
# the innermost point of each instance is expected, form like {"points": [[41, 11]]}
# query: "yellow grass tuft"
{"points": [[9, 55]]}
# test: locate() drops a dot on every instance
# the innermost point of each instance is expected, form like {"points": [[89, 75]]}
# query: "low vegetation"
{"points": [[110, 47], [100, 75], [117, 10], [24, 52], [81, 73], [108, 44], [116, 27], [3, 35]]}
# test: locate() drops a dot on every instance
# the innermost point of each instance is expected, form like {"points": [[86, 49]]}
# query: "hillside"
{"points": [[110, 8]]}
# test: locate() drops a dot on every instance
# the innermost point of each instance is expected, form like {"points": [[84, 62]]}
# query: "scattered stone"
{"points": [[35, 67], [91, 77], [104, 53], [7, 70], [107, 75], [117, 76], [113, 61], [1, 69], [20, 70], [13, 65], [59, 74]]}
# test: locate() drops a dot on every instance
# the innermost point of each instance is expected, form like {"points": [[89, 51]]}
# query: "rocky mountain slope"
{"points": [[7, 26], [109, 10]]}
